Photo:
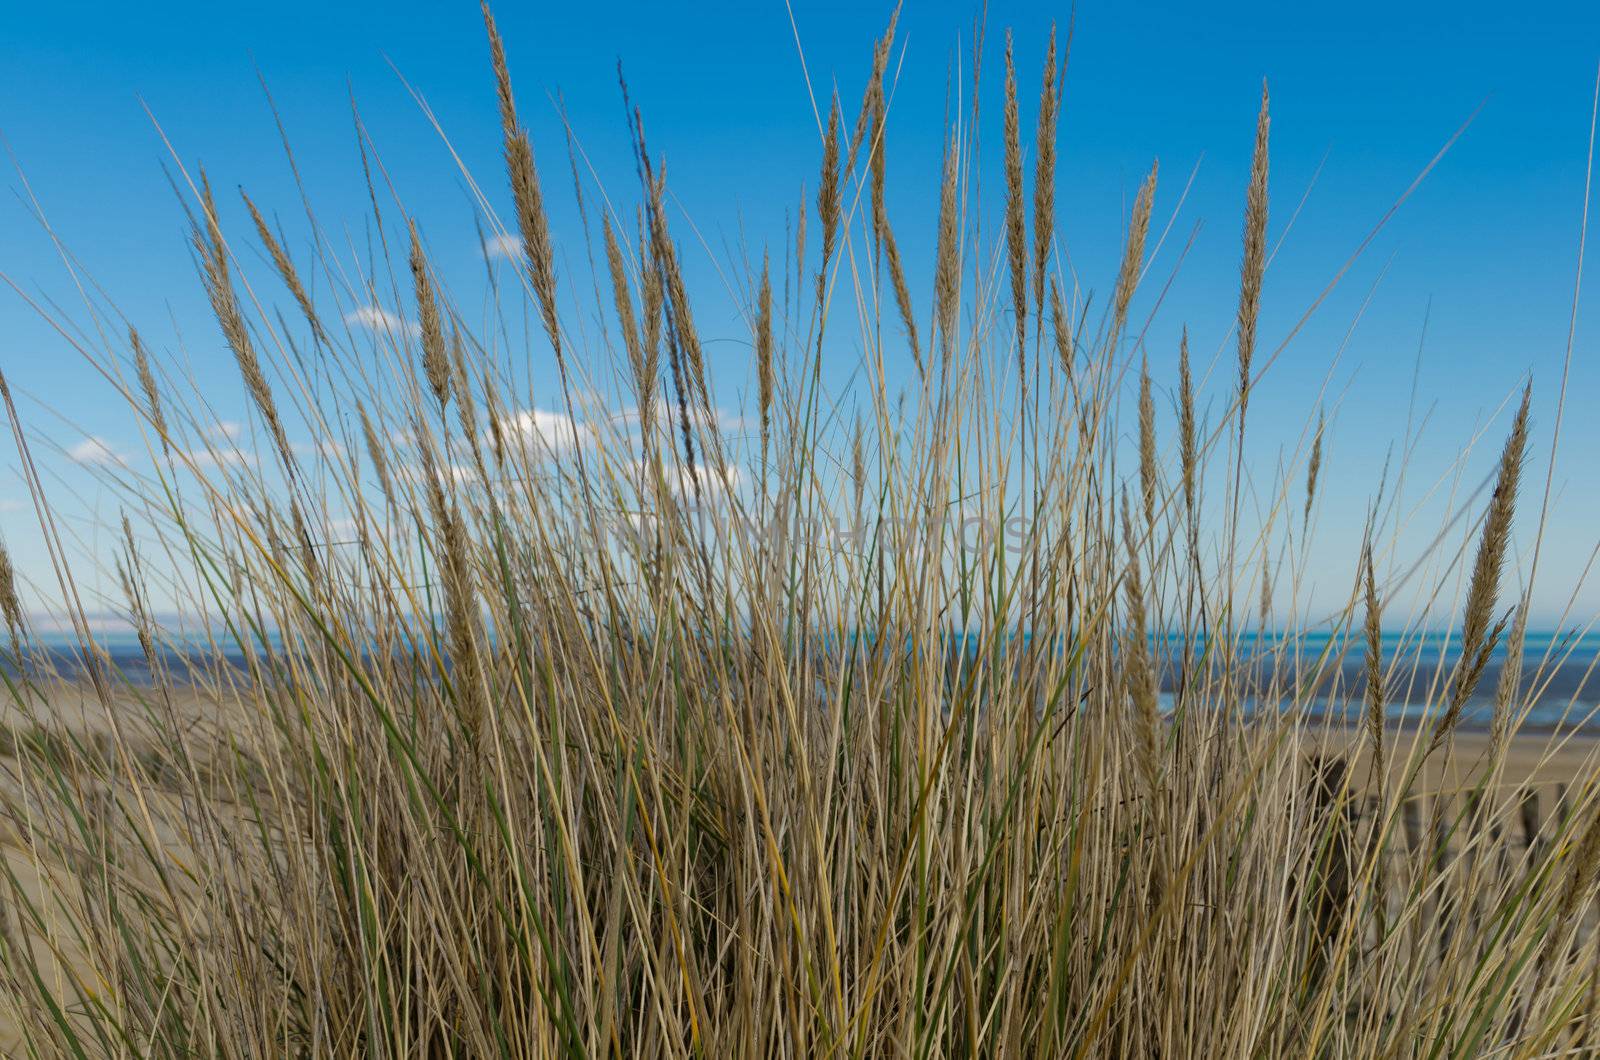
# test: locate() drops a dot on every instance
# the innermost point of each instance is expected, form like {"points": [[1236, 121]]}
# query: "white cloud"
{"points": [[326, 448], [503, 246], [339, 534], [712, 482], [220, 458], [229, 429], [93, 451], [460, 475], [726, 422], [376, 318], [9, 505], [723, 420], [553, 430]]}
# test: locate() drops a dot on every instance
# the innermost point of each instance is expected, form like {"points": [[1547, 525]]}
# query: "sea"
{"points": [[1325, 671]]}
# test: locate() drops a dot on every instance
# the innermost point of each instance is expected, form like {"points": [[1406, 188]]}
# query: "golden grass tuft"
{"points": [[830, 207], [1148, 486], [286, 270], [947, 258], [526, 193], [1313, 470], [1188, 443], [765, 372], [1254, 266], [10, 603], [1016, 223], [148, 387], [1044, 174], [435, 360], [1483, 591], [1133, 254], [1060, 329], [920, 719], [213, 254], [1376, 702]]}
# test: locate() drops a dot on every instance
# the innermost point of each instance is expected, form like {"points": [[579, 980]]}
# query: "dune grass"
{"points": [[582, 733]]}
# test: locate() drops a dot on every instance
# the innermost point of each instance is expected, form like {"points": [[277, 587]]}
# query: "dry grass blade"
{"points": [[11, 611], [858, 468], [1254, 265], [800, 235], [213, 253], [1376, 704], [947, 259], [870, 117], [1508, 688], [286, 270], [1264, 607], [1147, 447], [684, 355], [1483, 591], [1044, 174], [830, 206], [461, 621], [648, 370], [435, 360], [526, 194], [1577, 885], [1140, 672], [147, 384], [608, 748], [882, 230], [1313, 469], [764, 352], [10, 603], [461, 387], [1016, 225], [902, 291], [622, 301], [1133, 255], [376, 451], [1060, 329], [1188, 450]]}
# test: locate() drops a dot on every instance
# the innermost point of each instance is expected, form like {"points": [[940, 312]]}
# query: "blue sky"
{"points": [[1369, 92]]}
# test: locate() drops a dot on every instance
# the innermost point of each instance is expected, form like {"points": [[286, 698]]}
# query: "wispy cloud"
{"points": [[705, 503], [503, 246], [725, 421], [713, 483], [343, 528], [455, 474], [220, 458], [553, 430], [95, 451], [229, 429], [326, 448], [9, 505], [376, 318]]}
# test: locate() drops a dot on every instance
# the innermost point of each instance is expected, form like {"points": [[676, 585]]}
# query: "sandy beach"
{"points": [[1535, 759], [1541, 765]]}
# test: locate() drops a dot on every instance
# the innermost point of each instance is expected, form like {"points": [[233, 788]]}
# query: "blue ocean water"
{"points": [[1557, 673], [1558, 667]]}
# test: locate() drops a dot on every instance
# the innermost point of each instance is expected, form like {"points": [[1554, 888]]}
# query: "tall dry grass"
{"points": [[588, 734]]}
